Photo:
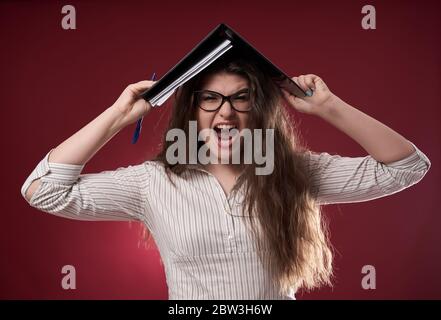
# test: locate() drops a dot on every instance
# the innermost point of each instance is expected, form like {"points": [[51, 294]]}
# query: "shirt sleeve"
{"points": [[119, 195], [337, 179]]}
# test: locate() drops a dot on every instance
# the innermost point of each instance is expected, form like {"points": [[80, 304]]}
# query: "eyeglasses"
{"points": [[212, 101]]}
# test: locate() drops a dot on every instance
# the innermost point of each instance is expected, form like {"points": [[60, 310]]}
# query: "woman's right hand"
{"points": [[131, 105]]}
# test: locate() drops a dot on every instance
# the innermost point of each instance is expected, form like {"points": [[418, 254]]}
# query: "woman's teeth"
{"points": [[225, 126], [223, 131]]}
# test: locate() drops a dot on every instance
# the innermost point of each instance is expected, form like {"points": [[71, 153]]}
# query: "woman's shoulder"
{"points": [[154, 165], [160, 169], [159, 172]]}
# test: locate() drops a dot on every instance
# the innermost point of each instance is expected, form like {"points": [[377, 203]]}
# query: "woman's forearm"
{"points": [[380, 141], [82, 146]]}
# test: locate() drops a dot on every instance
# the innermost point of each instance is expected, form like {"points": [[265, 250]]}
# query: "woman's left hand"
{"points": [[320, 99]]}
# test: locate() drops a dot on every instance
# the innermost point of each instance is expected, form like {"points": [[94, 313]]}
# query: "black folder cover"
{"points": [[240, 47]]}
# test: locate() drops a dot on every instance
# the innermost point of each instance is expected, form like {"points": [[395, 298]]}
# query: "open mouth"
{"points": [[226, 133]]}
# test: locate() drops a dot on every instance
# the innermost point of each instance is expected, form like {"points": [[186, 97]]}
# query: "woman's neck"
{"points": [[226, 175], [224, 169]]}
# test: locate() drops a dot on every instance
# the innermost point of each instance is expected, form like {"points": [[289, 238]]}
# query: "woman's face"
{"points": [[225, 118]]}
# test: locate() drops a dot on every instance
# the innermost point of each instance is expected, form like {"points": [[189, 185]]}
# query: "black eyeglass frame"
{"points": [[224, 98]]}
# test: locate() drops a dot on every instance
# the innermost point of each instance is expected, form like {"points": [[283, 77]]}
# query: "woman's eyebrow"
{"points": [[243, 89]]}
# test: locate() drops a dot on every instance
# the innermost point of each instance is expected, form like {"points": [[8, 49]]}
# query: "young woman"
{"points": [[223, 231]]}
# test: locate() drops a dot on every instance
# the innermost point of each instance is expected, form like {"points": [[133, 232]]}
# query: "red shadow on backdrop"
{"points": [[54, 81]]}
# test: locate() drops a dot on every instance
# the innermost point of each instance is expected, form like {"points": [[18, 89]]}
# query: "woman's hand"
{"points": [[320, 99], [131, 105]]}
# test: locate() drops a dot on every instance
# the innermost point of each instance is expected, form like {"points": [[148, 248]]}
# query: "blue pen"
{"points": [[139, 123]]}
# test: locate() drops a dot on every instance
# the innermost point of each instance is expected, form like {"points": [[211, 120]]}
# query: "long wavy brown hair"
{"points": [[284, 216]]}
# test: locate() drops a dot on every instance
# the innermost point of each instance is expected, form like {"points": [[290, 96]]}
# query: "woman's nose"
{"points": [[226, 110]]}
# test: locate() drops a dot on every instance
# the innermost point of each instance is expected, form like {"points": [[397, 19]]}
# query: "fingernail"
{"points": [[309, 93]]}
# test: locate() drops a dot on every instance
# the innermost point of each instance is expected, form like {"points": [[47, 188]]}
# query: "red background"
{"points": [[54, 81]]}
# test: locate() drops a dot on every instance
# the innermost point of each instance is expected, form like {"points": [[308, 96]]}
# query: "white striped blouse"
{"points": [[203, 239]]}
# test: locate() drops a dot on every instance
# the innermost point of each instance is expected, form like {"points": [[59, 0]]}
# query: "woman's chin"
{"points": [[224, 154]]}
